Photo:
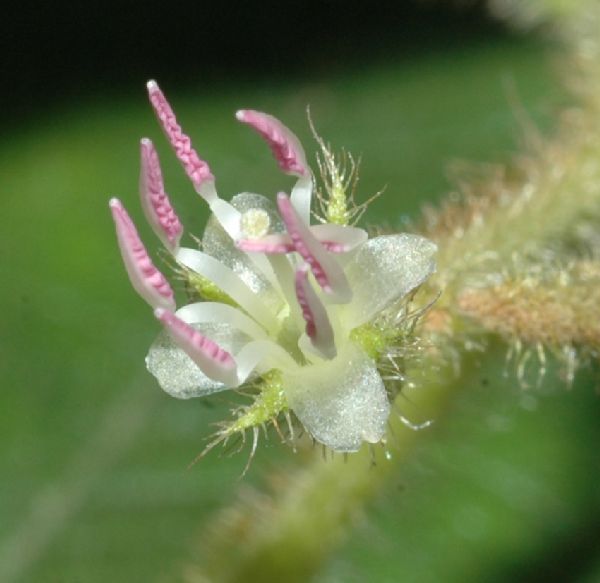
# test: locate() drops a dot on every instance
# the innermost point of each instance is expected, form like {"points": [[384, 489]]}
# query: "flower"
{"points": [[287, 306]]}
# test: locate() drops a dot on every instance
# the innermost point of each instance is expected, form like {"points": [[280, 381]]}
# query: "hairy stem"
{"points": [[508, 218], [293, 533]]}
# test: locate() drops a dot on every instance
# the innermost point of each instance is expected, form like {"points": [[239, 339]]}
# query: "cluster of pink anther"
{"points": [[314, 244]]}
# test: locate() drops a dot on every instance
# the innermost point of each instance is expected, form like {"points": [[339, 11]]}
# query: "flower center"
{"points": [[255, 223]]}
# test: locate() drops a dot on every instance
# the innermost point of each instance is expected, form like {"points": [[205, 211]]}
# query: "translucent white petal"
{"points": [[383, 270], [177, 373], [229, 282], [340, 402], [214, 312]]}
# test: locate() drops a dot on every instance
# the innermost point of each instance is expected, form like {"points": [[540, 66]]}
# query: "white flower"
{"points": [[291, 295]]}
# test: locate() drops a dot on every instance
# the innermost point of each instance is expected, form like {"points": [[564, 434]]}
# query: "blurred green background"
{"points": [[93, 457]]}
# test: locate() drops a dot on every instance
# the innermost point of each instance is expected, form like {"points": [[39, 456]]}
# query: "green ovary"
{"points": [[337, 207]]}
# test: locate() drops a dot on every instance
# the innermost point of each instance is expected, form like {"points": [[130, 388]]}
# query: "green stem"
{"points": [[287, 538], [292, 536]]}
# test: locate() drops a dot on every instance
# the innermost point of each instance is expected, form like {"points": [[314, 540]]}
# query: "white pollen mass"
{"points": [[255, 223]]}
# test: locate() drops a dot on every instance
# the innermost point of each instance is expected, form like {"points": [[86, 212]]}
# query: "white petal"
{"points": [[385, 269], [341, 402], [229, 282], [177, 373]]}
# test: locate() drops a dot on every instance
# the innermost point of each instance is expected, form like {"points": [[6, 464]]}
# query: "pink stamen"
{"points": [[196, 168], [302, 241], [145, 278], [213, 360], [307, 313], [270, 244], [328, 273], [318, 326], [280, 243], [155, 201], [338, 238], [283, 143], [334, 247]]}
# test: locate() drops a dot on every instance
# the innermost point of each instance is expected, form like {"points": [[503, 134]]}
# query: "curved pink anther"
{"points": [[327, 271], [283, 143], [145, 278], [275, 244], [155, 202], [281, 243], [318, 325], [338, 238], [196, 168], [215, 362]]}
